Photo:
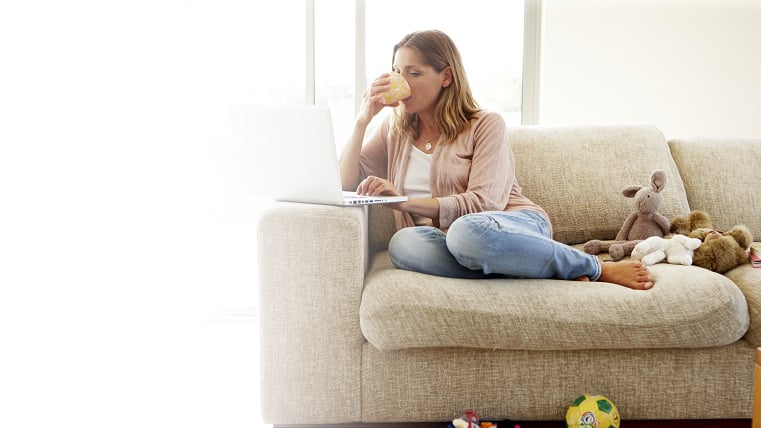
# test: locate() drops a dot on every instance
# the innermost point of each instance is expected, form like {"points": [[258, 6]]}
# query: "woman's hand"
{"points": [[373, 100], [376, 186]]}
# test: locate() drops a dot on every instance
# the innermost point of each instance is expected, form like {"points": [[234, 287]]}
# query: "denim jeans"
{"points": [[494, 244]]}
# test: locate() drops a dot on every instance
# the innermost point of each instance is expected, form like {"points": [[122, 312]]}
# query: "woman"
{"points": [[466, 216]]}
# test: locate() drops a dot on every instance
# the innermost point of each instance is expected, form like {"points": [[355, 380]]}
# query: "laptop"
{"points": [[288, 153]]}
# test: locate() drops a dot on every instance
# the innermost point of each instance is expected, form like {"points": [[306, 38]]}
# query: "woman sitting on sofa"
{"points": [[466, 216]]}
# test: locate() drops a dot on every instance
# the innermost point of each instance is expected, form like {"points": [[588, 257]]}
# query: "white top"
{"points": [[417, 181]]}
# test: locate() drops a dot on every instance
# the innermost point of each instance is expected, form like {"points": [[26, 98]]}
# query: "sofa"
{"points": [[347, 338]]}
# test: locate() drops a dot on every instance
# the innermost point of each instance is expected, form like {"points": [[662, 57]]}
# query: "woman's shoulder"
{"points": [[488, 116], [487, 119]]}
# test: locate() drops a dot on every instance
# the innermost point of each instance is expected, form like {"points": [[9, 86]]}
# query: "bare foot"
{"points": [[630, 273]]}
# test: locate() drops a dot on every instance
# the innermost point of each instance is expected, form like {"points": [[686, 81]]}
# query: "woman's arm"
{"points": [[349, 159], [423, 207], [428, 207]]}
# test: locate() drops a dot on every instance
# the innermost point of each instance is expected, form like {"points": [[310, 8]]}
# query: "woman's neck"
{"points": [[426, 125]]}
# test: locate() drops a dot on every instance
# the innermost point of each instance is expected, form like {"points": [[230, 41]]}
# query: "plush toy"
{"points": [[589, 411], [684, 224], [641, 224], [470, 420], [720, 251], [677, 250]]}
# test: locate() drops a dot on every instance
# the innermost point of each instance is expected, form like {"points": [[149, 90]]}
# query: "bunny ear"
{"points": [[658, 180], [630, 191]]}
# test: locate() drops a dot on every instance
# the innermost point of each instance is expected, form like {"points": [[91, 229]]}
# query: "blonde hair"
{"points": [[456, 105]]}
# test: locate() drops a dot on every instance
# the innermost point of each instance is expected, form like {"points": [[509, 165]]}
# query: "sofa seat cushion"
{"points": [[689, 307], [748, 279]]}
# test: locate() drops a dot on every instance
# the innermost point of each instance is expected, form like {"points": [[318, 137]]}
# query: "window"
{"points": [[488, 33]]}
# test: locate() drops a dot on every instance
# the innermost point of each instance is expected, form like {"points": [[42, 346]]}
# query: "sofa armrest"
{"points": [[312, 261]]}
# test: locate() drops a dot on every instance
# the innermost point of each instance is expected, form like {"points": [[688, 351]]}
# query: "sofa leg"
{"points": [[757, 391]]}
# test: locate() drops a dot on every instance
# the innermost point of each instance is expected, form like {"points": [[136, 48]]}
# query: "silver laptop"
{"points": [[288, 153]]}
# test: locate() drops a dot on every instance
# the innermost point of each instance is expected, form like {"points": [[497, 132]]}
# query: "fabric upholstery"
{"points": [[721, 177], [383, 227], [688, 308], [748, 279], [311, 265], [577, 173], [434, 384]]}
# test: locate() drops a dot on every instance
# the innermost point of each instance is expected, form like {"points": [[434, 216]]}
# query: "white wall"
{"points": [[690, 67], [127, 245]]}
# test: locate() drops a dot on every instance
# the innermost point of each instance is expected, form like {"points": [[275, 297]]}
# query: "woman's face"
{"points": [[425, 82]]}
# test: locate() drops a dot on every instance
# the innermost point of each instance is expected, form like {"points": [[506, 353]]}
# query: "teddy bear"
{"points": [[677, 250], [639, 225], [720, 251]]}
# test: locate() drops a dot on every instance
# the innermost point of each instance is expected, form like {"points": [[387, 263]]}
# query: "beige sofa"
{"points": [[345, 337]]}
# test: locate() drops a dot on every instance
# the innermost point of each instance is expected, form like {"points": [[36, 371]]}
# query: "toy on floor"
{"points": [[643, 223], [470, 420], [677, 250], [720, 251], [592, 411]]}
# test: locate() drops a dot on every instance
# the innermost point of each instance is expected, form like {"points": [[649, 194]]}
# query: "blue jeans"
{"points": [[494, 244]]}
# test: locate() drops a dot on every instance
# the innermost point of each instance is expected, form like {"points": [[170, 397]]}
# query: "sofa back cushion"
{"points": [[721, 177], [381, 226], [577, 173]]}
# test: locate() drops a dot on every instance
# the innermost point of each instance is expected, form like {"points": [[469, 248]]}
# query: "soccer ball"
{"points": [[592, 411]]}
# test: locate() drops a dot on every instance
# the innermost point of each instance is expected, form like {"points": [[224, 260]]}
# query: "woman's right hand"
{"points": [[372, 98]]}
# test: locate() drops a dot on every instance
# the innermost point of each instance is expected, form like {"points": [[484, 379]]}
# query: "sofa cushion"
{"points": [[688, 307], [576, 173], [720, 176], [748, 279], [578, 176], [382, 227]]}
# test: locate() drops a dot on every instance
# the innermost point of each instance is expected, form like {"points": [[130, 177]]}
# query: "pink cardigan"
{"points": [[475, 173]]}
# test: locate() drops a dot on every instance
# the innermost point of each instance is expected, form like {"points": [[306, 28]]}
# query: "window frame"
{"points": [[531, 57]]}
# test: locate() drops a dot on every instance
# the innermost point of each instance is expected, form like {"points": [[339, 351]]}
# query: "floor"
{"points": [[734, 423]]}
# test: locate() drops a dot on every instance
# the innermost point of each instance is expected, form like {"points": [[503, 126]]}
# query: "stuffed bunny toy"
{"points": [[641, 224], [677, 250]]}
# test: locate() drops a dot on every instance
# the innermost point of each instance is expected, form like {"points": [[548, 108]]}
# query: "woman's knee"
{"points": [[409, 243], [469, 241], [465, 231], [400, 243]]}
